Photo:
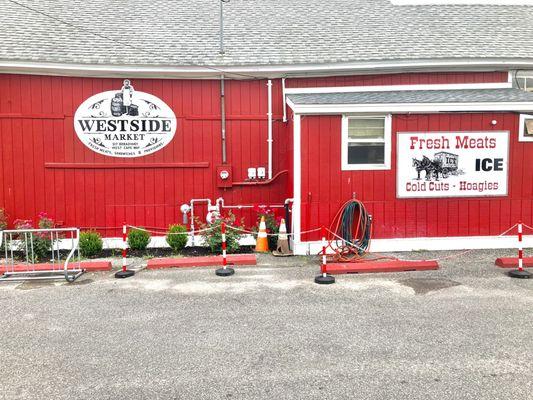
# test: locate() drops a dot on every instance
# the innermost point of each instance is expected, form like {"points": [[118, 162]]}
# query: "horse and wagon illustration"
{"points": [[443, 163]]}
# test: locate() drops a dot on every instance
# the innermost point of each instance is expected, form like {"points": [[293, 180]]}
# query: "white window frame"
{"points": [[522, 137], [386, 140]]}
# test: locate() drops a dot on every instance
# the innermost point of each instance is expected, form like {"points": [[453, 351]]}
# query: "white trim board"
{"points": [[408, 107], [395, 88], [160, 242], [432, 243], [387, 143], [468, 2], [522, 137], [297, 178], [270, 71], [155, 242]]}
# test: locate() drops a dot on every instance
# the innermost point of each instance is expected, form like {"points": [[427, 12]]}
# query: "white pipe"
{"points": [[220, 204], [284, 99], [192, 213], [269, 140]]}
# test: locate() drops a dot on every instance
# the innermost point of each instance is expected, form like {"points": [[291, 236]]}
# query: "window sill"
{"points": [[366, 167]]}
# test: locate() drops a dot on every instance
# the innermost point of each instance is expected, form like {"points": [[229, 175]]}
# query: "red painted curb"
{"points": [[512, 262], [209, 261], [86, 265], [381, 266]]}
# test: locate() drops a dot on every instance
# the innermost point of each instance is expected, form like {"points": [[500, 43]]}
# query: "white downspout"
{"points": [[269, 140], [284, 100]]}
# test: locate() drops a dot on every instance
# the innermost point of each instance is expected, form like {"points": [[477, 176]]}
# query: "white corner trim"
{"points": [[297, 179], [407, 107], [522, 129], [345, 166], [396, 88], [290, 103], [432, 243]]}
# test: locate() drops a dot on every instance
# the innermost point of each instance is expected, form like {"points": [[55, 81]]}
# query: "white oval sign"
{"points": [[125, 123]]}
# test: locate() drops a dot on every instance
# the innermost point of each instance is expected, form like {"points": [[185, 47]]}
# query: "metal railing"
{"points": [[22, 249]]}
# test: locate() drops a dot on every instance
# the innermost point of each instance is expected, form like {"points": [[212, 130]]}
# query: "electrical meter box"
{"points": [[224, 176]]}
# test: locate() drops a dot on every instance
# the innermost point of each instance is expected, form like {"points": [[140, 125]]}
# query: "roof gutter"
{"points": [[262, 71], [409, 108]]}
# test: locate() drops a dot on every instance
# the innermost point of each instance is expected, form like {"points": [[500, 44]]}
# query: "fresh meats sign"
{"points": [[124, 123], [452, 164]]}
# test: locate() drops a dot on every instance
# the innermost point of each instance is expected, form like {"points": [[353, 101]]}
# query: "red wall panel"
{"points": [[325, 187], [36, 132]]}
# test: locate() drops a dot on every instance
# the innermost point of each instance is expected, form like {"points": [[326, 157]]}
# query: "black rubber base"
{"points": [[225, 271], [324, 280], [515, 273], [124, 274]]}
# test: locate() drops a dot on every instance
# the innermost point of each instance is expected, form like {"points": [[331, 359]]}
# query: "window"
{"points": [[366, 142], [525, 82], [525, 132]]}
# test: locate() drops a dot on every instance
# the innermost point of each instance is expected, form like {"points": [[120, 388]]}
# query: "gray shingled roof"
{"points": [[416, 96], [259, 32]]}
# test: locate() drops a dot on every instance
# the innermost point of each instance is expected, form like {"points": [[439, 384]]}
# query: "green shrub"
{"points": [[176, 242], [3, 219], [90, 243], [138, 239], [213, 237]]}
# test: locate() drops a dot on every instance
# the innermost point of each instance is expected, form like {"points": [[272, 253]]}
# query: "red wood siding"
{"points": [[36, 133], [400, 79], [40, 158], [325, 187]]}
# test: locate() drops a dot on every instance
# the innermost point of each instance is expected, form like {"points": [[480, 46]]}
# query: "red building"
{"points": [[435, 140]]}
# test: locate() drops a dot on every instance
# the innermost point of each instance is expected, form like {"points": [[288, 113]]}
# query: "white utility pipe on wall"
{"points": [[284, 100], [269, 140]]}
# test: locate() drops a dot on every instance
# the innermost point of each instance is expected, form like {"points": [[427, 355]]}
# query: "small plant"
{"points": [[175, 240], [3, 225], [213, 237], [3, 219], [38, 243], [90, 243], [138, 239]]}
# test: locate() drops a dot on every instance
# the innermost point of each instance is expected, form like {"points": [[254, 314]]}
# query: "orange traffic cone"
{"points": [[262, 240], [282, 249]]}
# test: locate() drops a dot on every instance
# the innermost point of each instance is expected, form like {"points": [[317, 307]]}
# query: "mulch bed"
{"points": [[151, 252]]}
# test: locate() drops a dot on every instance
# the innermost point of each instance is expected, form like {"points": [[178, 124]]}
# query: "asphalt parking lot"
{"points": [[462, 332]]}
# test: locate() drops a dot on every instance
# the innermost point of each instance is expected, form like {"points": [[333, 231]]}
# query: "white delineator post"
{"points": [[124, 247], [520, 248], [224, 248], [224, 271], [324, 278], [520, 272], [324, 259], [124, 272]]}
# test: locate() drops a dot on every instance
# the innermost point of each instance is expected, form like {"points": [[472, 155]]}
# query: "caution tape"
{"points": [[269, 234], [527, 226], [100, 228], [462, 253], [163, 231], [508, 230]]}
